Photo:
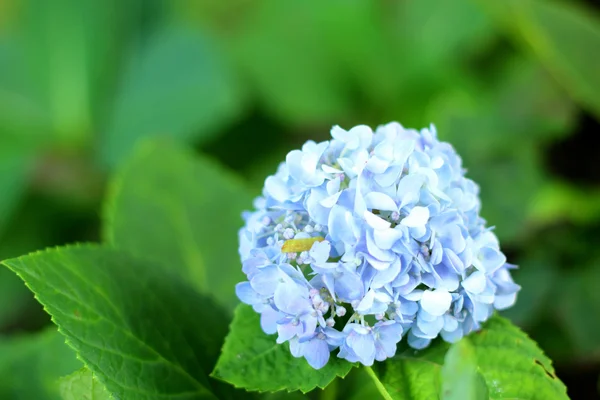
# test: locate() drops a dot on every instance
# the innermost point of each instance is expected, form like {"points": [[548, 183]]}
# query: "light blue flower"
{"points": [[358, 345], [387, 335], [317, 347], [382, 226]]}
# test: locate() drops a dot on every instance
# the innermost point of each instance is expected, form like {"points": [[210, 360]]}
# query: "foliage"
{"points": [[114, 107]]}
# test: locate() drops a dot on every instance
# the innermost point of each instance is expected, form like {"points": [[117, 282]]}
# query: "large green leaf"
{"points": [[182, 211], [82, 385], [565, 36], [512, 365], [460, 378], [177, 86], [252, 360], [31, 365], [132, 323]]}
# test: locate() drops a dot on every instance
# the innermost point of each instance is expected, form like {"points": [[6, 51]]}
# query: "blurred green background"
{"points": [[514, 85]]}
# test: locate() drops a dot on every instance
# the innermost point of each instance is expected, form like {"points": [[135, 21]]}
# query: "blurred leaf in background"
{"points": [[564, 35], [199, 97], [182, 211], [31, 365]]}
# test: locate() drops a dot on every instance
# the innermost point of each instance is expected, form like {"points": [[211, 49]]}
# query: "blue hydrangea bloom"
{"points": [[365, 238]]}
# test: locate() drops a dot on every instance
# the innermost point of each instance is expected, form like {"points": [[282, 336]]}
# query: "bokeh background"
{"points": [[514, 85]]}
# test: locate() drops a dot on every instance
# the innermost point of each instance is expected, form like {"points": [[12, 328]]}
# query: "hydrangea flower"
{"points": [[367, 237]]}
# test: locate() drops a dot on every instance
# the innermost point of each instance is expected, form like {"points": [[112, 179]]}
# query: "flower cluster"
{"points": [[366, 238]]}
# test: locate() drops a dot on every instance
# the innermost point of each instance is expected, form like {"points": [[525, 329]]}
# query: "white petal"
{"points": [[380, 201], [376, 222], [475, 283], [436, 302], [418, 217]]}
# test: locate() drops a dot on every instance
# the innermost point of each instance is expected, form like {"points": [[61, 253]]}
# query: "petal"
{"points": [[265, 282], [417, 217], [268, 321], [287, 331], [416, 342], [375, 222], [377, 165], [375, 251], [320, 251], [294, 164], [330, 201], [389, 177], [349, 286], [296, 347], [436, 302], [502, 302], [316, 353], [334, 337], [277, 189], [491, 259], [453, 239], [340, 227], [366, 303], [246, 294], [386, 238], [316, 210], [380, 201], [431, 329], [387, 275], [450, 323], [475, 283], [363, 346], [452, 336]]}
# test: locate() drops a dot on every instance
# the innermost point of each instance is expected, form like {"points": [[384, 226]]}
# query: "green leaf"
{"points": [[460, 379], [297, 76], [407, 379], [30, 365], [564, 36], [82, 385], [511, 364], [358, 385], [182, 211], [252, 360], [199, 95], [56, 41], [131, 322]]}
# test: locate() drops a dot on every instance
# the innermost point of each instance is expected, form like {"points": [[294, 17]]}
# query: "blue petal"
{"points": [[266, 280], [246, 294], [268, 320], [316, 353], [417, 342]]}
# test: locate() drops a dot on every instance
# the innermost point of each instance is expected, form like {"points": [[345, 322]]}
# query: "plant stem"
{"points": [[384, 393], [330, 392]]}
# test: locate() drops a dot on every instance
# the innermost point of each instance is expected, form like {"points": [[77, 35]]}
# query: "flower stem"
{"points": [[330, 392], [384, 393]]}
